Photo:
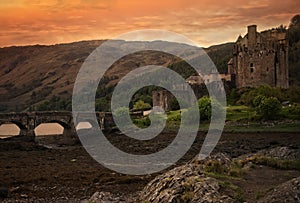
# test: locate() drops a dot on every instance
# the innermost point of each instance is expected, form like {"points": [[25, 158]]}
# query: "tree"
{"points": [[257, 100], [248, 96], [174, 105], [102, 104], [269, 107], [121, 114], [204, 108], [294, 49], [295, 21], [233, 97], [294, 30], [206, 104], [140, 104]]}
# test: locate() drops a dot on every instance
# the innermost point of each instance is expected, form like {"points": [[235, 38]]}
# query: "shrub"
{"points": [[142, 122], [140, 104], [205, 107], [174, 116], [257, 100], [269, 107], [121, 114], [233, 97], [174, 105], [190, 115], [291, 112], [249, 95]]}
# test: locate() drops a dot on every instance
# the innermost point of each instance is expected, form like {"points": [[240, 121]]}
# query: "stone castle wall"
{"points": [[261, 58]]}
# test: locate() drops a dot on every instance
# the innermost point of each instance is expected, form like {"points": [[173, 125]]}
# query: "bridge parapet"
{"points": [[28, 121]]}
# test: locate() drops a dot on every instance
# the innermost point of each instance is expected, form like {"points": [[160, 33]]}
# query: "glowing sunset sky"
{"points": [[206, 22]]}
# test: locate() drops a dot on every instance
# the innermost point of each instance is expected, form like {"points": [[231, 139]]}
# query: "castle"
{"points": [[258, 58]]}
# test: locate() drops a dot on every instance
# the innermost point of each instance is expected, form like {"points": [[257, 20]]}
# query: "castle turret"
{"points": [[251, 35]]}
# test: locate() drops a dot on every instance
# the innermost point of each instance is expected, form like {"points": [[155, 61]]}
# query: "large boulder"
{"points": [[284, 153], [286, 192], [216, 163], [107, 197], [186, 183]]}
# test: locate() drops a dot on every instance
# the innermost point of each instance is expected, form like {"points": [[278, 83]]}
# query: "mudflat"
{"points": [[33, 172]]}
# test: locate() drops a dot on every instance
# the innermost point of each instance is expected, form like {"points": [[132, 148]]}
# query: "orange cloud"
{"points": [[206, 22]]}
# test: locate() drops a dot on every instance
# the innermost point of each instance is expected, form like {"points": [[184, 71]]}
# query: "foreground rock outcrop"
{"points": [[286, 192], [187, 183], [284, 153], [107, 197]]}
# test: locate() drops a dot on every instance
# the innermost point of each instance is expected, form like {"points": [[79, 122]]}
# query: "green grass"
{"points": [[258, 127], [240, 113], [277, 163], [291, 112], [239, 119], [221, 176], [238, 192], [174, 116]]}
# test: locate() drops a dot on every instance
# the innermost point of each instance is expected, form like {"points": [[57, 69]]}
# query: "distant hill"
{"points": [[31, 75], [220, 55]]}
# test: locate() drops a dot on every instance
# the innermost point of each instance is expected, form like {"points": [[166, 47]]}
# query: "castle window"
{"points": [[251, 70], [251, 65]]}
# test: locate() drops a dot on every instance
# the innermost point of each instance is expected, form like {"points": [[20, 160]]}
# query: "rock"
{"points": [[279, 153], [3, 192], [107, 197], [183, 184], [218, 163], [285, 153], [286, 192]]}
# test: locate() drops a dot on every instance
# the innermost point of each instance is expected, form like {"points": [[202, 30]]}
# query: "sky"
{"points": [[206, 22]]}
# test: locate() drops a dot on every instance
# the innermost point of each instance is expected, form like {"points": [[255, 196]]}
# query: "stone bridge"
{"points": [[28, 121]]}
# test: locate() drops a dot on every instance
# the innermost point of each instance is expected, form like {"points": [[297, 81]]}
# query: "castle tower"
{"points": [[261, 58], [252, 36]]}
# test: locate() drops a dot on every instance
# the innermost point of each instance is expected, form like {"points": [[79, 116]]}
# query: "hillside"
{"points": [[31, 75]]}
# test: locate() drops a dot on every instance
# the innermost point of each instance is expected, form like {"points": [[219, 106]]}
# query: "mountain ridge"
{"points": [[31, 75]]}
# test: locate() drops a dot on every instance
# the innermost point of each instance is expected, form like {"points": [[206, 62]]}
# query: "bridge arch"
{"points": [[48, 129], [20, 125], [22, 128], [62, 122], [67, 127], [8, 129], [87, 122]]}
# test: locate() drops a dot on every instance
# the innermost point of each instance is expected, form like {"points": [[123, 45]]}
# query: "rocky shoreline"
{"points": [[247, 167]]}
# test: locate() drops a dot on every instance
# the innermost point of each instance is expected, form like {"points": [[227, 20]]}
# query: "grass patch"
{"points": [[217, 169], [238, 193], [239, 119], [277, 163], [291, 112], [221, 176], [174, 116], [258, 127], [240, 113], [258, 195]]}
